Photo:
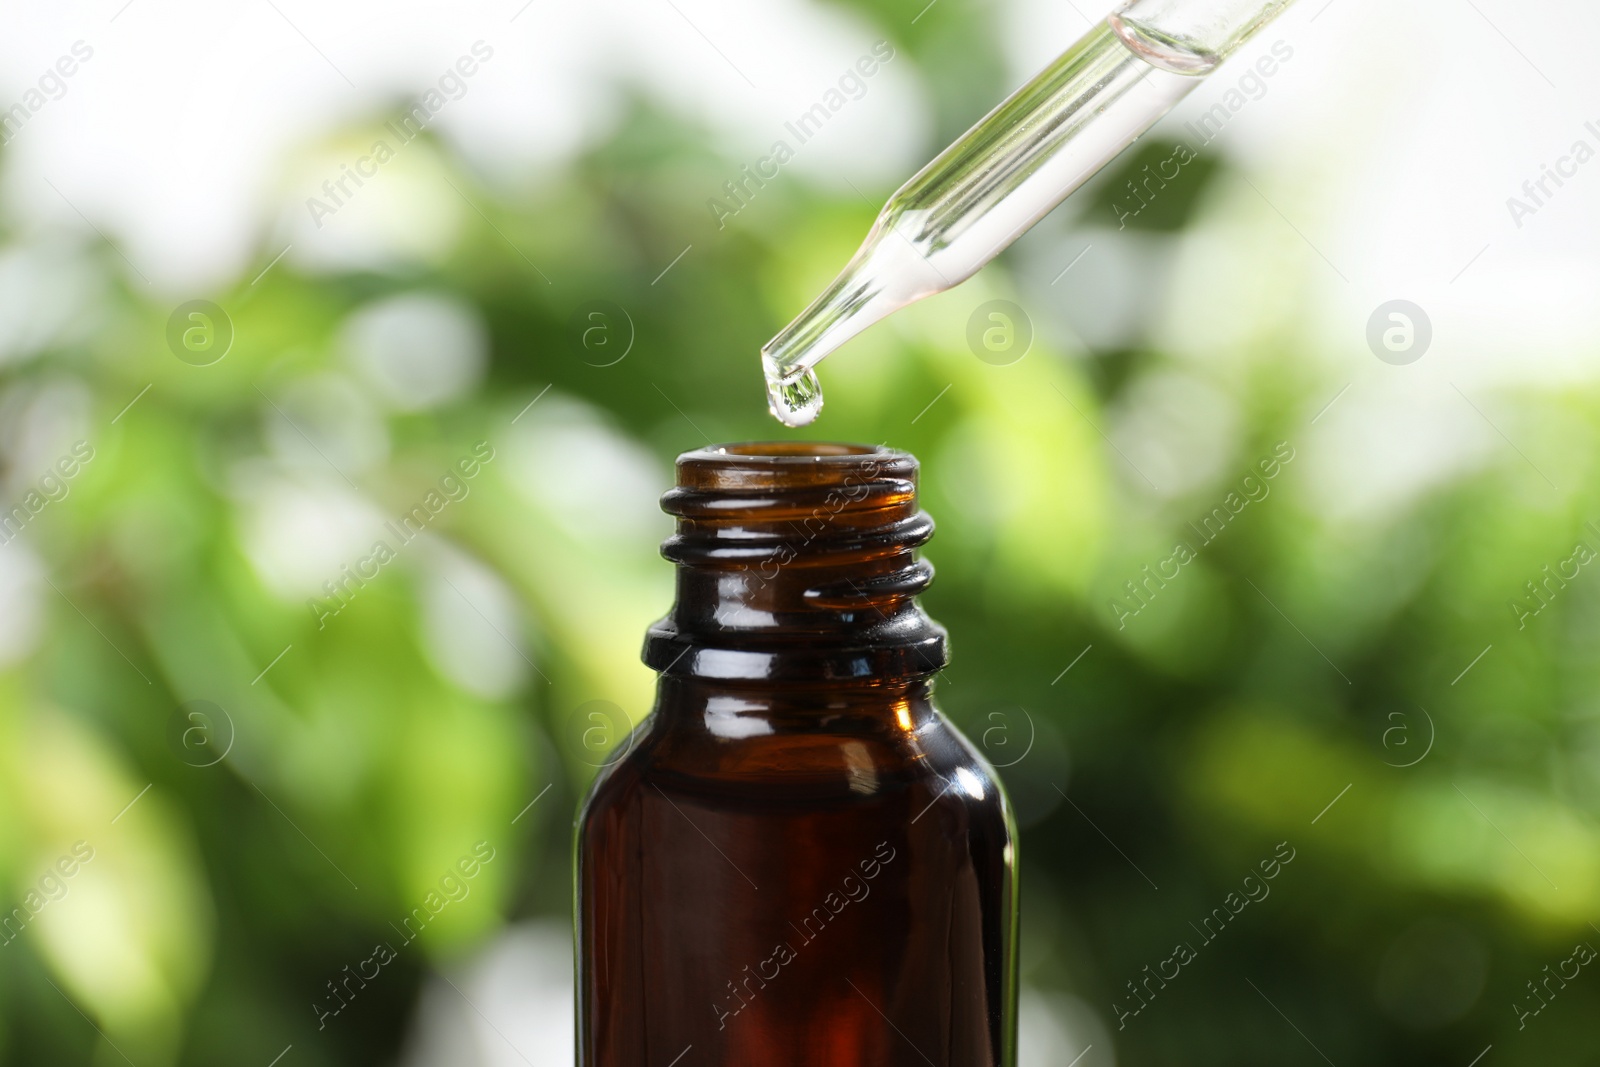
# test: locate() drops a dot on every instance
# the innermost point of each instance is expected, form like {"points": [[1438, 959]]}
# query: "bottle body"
{"points": [[802, 882], [795, 860]]}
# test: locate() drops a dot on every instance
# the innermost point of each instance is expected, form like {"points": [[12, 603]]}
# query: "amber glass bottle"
{"points": [[797, 861]]}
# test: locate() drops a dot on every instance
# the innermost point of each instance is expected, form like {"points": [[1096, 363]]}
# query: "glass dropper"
{"points": [[1009, 171]]}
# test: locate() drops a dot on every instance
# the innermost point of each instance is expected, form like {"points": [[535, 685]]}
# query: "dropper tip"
{"points": [[794, 401]]}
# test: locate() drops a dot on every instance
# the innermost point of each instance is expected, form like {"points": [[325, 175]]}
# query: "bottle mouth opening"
{"points": [[764, 467], [787, 451]]}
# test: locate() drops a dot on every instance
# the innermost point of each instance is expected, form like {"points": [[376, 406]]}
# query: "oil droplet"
{"points": [[797, 401]]}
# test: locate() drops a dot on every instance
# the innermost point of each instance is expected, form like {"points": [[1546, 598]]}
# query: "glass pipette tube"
{"points": [[1009, 171]]}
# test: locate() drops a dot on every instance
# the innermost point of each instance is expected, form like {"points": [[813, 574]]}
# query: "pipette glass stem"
{"points": [[1007, 172]]}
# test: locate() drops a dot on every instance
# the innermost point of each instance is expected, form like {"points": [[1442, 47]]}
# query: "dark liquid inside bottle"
{"points": [[797, 861]]}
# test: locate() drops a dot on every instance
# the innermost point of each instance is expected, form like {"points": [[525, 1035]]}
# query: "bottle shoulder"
{"points": [[805, 762]]}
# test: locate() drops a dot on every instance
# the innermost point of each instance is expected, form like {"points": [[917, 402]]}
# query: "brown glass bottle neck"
{"points": [[728, 709], [797, 563]]}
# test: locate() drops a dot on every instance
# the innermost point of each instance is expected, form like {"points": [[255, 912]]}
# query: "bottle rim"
{"points": [[789, 454]]}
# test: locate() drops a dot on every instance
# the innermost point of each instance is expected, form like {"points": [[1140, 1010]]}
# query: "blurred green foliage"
{"points": [[1302, 680]]}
